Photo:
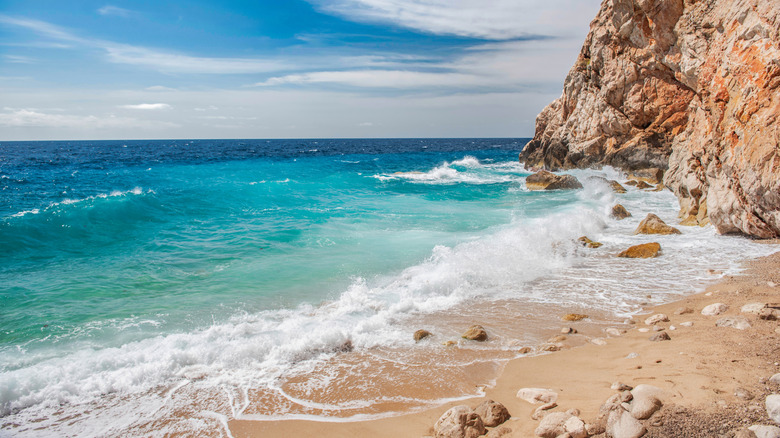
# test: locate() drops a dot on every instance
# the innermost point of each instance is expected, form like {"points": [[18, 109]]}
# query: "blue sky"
{"points": [[283, 69]]}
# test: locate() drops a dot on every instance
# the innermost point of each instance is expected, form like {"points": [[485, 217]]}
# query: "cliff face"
{"points": [[684, 85]]}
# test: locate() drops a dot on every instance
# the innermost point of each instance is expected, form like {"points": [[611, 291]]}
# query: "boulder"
{"points": [[499, 432], [475, 333], [761, 431], [459, 422], [652, 175], [492, 413], [621, 424], [575, 427], [544, 180], [737, 322], [537, 395], [619, 212], [643, 408], [616, 187], [653, 224], [773, 407], [573, 317], [660, 336], [655, 319], [752, 308], [552, 425], [642, 251], [584, 241], [421, 334], [714, 309]]}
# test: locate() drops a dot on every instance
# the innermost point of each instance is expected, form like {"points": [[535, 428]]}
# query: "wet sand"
{"points": [[700, 369]]}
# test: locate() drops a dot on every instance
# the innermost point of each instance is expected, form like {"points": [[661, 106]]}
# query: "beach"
{"points": [[700, 369]]}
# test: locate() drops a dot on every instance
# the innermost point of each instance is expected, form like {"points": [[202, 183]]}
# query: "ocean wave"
{"points": [[72, 201], [467, 170]]}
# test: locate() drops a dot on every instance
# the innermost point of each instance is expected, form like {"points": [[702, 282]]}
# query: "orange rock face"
{"points": [[688, 86]]}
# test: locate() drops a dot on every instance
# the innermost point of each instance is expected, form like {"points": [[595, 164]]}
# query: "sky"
{"points": [[78, 70]]}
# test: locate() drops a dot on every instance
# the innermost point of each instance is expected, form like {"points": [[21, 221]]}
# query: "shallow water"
{"points": [[153, 287]]}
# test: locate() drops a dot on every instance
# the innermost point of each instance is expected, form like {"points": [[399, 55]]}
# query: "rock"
{"points": [[618, 386], [775, 379], [568, 331], [550, 347], [643, 251], [644, 390], [643, 185], [652, 175], [492, 413], [644, 407], [655, 319], [595, 428], [626, 396], [525, 350], [541, 411], [459, 422], [449, 343], [588, 243], [421, 334], [537, 395], [499, 432], [345, 347], [737, 322], [632, 182], [598, 341], [545, 180], [573, 317], [557, 338], [744, 433], [552, 425], [619, 212], [657, 328], [616, 187], [643, 330], [753, 308], [621, 424], [691, 88], [660, 336], [575, 427], [687, 324], [714, 309], [683, 310], [744, 394], [653, 224], [765, 431], [773, 407], [574, 412], [614, 332], [475, 333], [769, 314]]}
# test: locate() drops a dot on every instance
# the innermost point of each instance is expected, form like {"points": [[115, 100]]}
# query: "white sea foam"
{"points": [[69, 201], [534, 259]]}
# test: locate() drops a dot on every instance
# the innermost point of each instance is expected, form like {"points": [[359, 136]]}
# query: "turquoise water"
{"points": [[230, 266]]}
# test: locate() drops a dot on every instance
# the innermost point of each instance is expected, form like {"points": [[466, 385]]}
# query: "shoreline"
{"points": [[700, 369]]}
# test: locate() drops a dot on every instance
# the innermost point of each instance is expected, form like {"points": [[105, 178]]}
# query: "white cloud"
{"points": [[17, 59], [114, 10], [496, 19], [376, 79], [159, 88], [37, 119], [147, 106]]}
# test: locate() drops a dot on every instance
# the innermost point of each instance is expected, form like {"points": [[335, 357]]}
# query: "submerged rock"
{"points": [[475, 333], [545, 180], [573, 317], [619, 212], [616, 186], [643, 251], [421, 334], [588, 243], [653, 224], [652, 175], [459, 422]]}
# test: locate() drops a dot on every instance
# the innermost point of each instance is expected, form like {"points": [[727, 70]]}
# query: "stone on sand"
{"points": [[499, 432], [714, 309], [655, 319], [753, 308], [492, 413], [421, 334], [537, 395], [459, 422], [552, 425], [660, 336], [621, 424], [737, 322], [573, 317], [683, 310]]}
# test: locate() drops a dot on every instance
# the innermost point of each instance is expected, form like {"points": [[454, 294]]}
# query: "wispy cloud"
{"points": [[159, 60], [375, 79], [33, 118], [115, 11], [147, 106], [494, 20], [17, 59]]}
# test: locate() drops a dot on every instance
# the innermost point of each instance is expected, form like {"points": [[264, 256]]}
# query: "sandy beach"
{"points": [[714, 379]]}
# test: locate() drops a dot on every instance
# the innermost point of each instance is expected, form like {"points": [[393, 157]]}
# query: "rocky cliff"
{"points": [[684, 85]]}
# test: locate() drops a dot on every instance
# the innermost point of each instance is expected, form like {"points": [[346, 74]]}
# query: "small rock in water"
{"points": [[449, 343], [492, 413], [660, 336], [421, 334], [643, 251], [714, 309], [475, 333], [525, 350], [683, 310], [574, 317], [653, 224], [544, 180], [619, 212], [558, 338], [568, 331], [537, 395], [550, 347], [643, 185], [737, 322], [588, 243], [616, 187], [346, 347], [655, 319]]}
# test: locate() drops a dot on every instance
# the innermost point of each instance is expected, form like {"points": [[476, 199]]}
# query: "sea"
{"points": [[154, 288]]}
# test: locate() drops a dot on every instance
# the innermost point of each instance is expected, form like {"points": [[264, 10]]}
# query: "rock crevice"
{"points": [[689, 86]]}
